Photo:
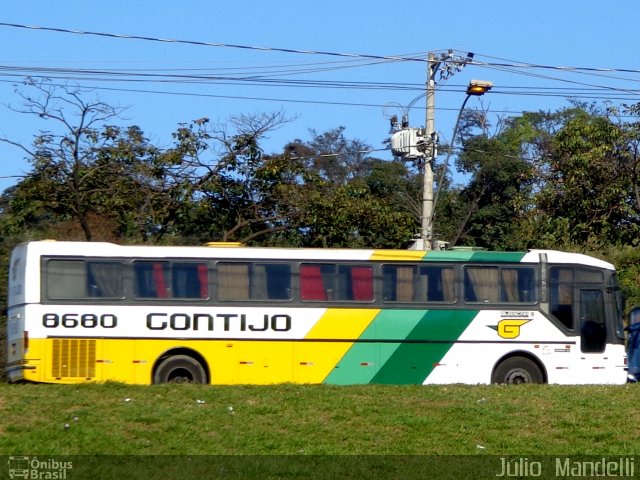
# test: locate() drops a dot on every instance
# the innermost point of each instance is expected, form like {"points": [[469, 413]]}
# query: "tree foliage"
{"points": [[586, 195], [347, 198], [65, 182], [568, 179]]}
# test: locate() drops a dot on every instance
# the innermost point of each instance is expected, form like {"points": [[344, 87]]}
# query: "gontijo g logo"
{"points": [[510, 327]]}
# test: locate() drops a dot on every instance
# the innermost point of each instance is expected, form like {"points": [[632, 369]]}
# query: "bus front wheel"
{"points": [[517, 370], [180, 369]]}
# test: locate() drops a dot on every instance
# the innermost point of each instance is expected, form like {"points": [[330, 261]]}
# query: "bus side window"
{"points": [[189, 280], [593, 330], [561, 295], [517, 285], [481, 284], [232, 281], [66, 279], [151, 279], [398, 283], [436, 284], [326, 282], [361, 283], [105, 280], [278, 281], [351, 283], [311, 283], [79, 279]]}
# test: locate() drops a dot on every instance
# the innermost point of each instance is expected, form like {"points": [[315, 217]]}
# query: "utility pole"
{"points": [[421, 144], [426, 229]]}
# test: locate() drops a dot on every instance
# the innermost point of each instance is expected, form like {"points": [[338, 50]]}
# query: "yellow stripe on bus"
{"points": [[408, 255], [314, 361]]}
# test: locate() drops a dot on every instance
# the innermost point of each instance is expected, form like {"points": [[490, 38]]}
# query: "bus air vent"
{"points": [[73, 358]]}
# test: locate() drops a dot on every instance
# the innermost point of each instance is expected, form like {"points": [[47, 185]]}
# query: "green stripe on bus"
{"points": [[425, 346], [472, 255], [364, 359], [397, 362]]}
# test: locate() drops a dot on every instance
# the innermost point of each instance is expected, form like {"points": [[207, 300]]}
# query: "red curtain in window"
{"points": [[203, 279], [311, 287], [362, 283], [158, 279]]}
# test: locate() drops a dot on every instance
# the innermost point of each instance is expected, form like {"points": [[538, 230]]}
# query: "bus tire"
{"points": [[516, 371], [180, 369]]}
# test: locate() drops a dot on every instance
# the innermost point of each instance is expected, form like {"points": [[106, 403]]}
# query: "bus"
{"points": [[220, 314]]}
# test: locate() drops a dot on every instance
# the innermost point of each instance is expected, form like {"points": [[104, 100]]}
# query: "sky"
{"points": [[322, 64]]}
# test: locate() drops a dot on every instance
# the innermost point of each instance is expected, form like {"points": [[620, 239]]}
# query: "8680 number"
{"points": [[76, 320]]}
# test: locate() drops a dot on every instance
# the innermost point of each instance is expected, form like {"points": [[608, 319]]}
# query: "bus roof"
{"points": [[105, 249]]}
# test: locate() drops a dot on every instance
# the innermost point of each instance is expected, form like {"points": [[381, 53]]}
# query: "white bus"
{"points": [[94, 311]]}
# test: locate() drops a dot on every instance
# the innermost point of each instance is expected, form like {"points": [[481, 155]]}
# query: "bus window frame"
{"points": [[86, 299], [337, 264], [251, 263], [416, 280], [500, 267], [131, 279], [603, 283]]}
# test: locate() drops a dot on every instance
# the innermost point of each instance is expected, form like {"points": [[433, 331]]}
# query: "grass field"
{"points": [[115, 419]]}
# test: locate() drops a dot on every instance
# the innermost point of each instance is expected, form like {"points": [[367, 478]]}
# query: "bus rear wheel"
{"points": [[516, 371], [180, 369]]}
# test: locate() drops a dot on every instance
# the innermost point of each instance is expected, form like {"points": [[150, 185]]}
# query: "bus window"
{"points": [[481, 284], [253, 281], [78, 279], [593, 330], [152, 279], [189, 280], [500, 284], [232, 281], [326, 282], [278, 280], [436, 284], [587, 275], [517, 285], [311, 283], [361, 282], [561, 295], [406, 283], [66, 279], [105, 280]]}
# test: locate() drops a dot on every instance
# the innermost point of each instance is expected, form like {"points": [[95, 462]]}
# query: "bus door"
{"points": [[594, 363]]}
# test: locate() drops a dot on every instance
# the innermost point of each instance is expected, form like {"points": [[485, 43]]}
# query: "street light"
{"points": [[476, 88]]}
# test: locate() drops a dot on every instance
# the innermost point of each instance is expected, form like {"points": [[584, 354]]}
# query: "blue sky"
{"points": [[502, 34]]}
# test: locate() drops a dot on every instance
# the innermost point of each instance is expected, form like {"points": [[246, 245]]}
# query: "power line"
{"points": [[420, 57], [413, 57], [207, 44], [308, 102], [517, 64], [145, 76]]}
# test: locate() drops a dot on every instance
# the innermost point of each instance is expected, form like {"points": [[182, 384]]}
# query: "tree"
{"points": [[332, 156], [348, 199], [237, 194], [67, 182], [111, 180], [486, 212], [588, 184]]}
